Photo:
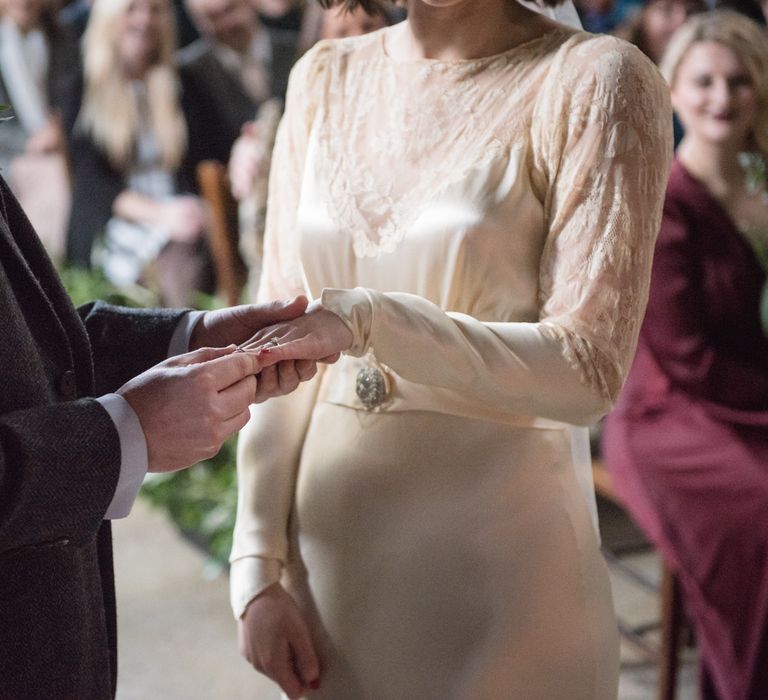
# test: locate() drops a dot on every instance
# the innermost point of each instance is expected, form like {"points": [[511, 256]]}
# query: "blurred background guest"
{"points": [[227, 74], [754, 9], [688, 441], [652, 24], [131, 171], [597, 15], [38, 73], [251, 155], [282, 14], [339, 22]]}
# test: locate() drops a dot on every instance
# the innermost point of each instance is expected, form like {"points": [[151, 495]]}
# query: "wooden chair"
{"points": [[229, 270], [671, 605]]}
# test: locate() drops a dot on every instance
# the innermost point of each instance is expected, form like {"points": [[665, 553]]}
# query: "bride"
{"points": [[472, 196]]}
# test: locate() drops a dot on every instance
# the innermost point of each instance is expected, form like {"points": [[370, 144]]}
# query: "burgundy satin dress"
{"points": [[688, 440]]}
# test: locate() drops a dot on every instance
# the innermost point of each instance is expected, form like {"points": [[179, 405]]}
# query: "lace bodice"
{"points": [[524, 186]]}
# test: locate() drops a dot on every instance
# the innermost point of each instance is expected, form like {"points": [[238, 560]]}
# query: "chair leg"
{"points": [[671, 632]]}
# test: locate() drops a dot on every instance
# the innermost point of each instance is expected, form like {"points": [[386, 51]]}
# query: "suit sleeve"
{"points": [[59, 465], [126, 342]]}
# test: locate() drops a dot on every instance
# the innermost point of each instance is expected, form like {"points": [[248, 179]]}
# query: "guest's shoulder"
{"points": [[199, 51]]}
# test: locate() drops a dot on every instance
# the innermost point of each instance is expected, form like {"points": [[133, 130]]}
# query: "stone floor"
{"points": [[177, 635]]}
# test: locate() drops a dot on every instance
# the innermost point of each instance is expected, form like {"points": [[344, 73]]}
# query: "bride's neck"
{"points": [[464, 29]]}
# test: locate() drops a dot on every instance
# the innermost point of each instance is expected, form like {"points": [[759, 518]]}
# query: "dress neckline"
{"points": [[554, 30]]}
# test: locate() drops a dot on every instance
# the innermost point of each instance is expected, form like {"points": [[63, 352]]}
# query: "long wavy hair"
{"points": [[748, 43], [110, 113]]}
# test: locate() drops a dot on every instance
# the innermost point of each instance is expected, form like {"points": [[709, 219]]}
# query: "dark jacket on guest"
{"points": [[96, 183], [62, 88], [59, 465], [214, 100]]}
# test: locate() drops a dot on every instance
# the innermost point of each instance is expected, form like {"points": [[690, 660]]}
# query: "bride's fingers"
{"points": [[267, 384], [299, 349], [287, 377], [282, 672], [256, 344], [306, 369], [304, 655]]}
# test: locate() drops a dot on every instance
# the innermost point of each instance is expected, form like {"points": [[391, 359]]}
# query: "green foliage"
{"points": [[202, 500], [86, 285]]}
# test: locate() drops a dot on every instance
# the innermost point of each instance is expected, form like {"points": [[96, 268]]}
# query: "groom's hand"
{"points": [[237, 324], [189, 404]]}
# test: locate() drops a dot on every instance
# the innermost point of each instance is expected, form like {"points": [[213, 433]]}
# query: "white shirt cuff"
{"points": [[133, 452], [180, 339]]}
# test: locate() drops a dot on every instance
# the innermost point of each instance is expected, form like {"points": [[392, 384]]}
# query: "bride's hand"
{"points": [[275, 640], [317, 335]]}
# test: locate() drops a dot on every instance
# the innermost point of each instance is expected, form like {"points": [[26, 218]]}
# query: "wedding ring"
{"points": [[274, 342]]}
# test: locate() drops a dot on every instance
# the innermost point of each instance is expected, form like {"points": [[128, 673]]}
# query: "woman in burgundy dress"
{"points": [[688, 440]]}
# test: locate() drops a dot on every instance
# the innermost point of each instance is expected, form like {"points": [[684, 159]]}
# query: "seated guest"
{"points": [[131, 178], [235, 67], [38, 73], [688, 441]]}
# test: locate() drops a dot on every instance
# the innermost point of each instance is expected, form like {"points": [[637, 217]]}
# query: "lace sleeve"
{"points": [[602, 140]]}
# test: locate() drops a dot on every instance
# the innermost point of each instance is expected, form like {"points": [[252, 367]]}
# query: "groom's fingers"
{"points": [[258, 316], [230, 369], [237, 423], [237, 397], [198, 356]]}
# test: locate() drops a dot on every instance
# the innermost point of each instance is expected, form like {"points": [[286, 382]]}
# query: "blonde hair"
{"points": [[110, 113], [747, 42]]}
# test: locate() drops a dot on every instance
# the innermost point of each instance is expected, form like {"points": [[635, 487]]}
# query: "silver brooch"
{"points": [[371, 387]]}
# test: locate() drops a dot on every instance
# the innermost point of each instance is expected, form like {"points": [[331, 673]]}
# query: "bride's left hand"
{"points": [[318, 335]]}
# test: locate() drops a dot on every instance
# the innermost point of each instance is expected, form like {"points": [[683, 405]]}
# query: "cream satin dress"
{"points": [[485, 227]]}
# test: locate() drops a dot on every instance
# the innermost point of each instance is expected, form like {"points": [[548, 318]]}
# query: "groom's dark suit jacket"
{"points": [[59, 464]]}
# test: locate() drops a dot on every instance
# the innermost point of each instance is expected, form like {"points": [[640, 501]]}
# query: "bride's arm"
{"points": [[602, 146], [269, 447]]}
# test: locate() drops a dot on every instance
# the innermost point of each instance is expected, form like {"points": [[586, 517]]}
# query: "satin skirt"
{"points": [[441, 557]]}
